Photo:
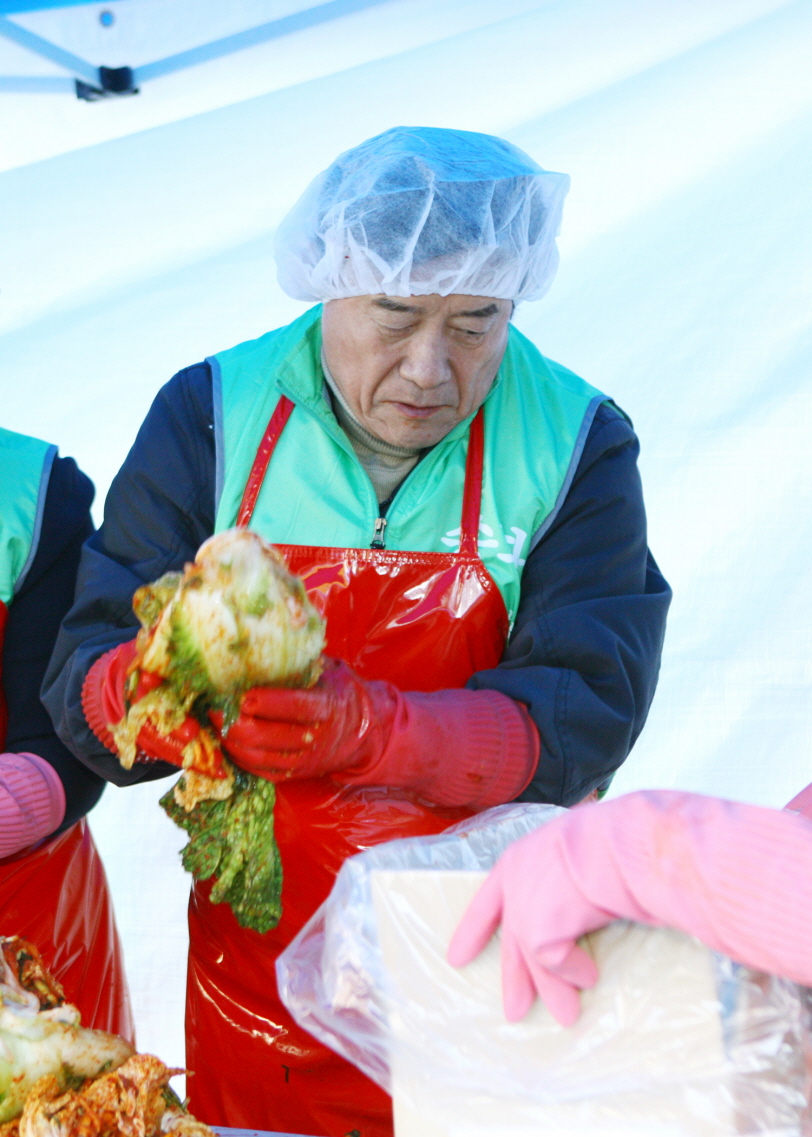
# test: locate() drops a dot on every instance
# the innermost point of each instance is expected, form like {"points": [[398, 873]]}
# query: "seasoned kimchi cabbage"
{"points": [[59, 1080], [236, 618], [40, 1033]]}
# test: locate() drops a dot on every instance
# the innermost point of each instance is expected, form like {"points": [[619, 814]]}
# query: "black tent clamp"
{"points": [[112, 81]]}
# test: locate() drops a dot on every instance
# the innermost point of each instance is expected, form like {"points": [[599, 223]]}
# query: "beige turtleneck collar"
{"points": [[387, 465]]}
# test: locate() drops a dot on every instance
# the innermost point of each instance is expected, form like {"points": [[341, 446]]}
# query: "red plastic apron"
{"points": [[423, 621], [55, 895]]}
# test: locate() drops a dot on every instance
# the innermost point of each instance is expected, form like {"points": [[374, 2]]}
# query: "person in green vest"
{"points": [[53, 890], [466, 513]]}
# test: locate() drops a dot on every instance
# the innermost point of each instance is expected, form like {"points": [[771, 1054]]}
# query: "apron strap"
{"points": [[281, 414], [471, 498], [472, 494]]}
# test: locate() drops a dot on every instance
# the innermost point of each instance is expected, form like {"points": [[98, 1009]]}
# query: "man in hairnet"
{"points": [[466, 513]]}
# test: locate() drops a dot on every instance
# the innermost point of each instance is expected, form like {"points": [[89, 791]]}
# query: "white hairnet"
{"points": [[421, 210]]}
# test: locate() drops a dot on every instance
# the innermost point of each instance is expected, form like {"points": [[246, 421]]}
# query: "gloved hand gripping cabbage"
{"points": [[233, 620]]}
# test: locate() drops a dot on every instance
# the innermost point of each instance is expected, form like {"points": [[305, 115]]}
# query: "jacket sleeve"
{"points": [[584, 653], [34, 616], [158, 512]]}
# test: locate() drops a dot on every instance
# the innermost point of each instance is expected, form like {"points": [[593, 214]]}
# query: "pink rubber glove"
{"points": [[32, 801], [453, 748], [738, 877]]}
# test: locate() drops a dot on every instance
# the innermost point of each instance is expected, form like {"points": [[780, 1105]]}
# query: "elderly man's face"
{"points": [[412, 367]]}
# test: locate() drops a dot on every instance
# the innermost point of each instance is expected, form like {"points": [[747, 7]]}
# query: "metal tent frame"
{"points": [[91, 83]]}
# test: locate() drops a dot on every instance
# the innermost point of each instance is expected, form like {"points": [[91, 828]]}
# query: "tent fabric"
{"points": [[9, 7], [142, 242]]}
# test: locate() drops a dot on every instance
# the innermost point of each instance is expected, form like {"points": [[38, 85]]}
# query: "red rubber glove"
{"points": [[453, 748], [103, 702], [738, 877]]}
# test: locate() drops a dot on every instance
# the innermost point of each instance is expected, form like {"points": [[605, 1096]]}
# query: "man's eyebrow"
{"points": [[479, 313], [394, 305]]}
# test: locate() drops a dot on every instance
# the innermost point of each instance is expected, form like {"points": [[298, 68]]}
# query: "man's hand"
{"points": [[104, 705], [450, 748], [341, 722]]}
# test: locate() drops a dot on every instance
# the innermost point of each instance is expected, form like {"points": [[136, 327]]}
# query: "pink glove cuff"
{"points": [[737, 876], [32, 801], [455, 748]]}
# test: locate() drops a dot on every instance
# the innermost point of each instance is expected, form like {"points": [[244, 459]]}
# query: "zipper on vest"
{"points": [[379, 534]]}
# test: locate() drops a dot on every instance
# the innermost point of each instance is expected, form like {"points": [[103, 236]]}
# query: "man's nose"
{"points": [[425, 362]]}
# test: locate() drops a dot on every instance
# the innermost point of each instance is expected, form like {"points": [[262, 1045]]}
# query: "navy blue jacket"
{"points": [[34, 616], [585, 649]]}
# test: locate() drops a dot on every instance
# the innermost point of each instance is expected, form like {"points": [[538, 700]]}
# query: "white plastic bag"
{"points": [[675, 1040]]}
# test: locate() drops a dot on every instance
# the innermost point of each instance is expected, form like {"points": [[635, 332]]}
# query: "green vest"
{"points": [[25, 466], [316, 492]]}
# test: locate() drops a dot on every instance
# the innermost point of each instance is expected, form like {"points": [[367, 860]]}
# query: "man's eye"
{"points": [[472, 333]]}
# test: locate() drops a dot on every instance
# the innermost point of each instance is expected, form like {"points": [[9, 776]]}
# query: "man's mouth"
{"points": [[410, 410]]}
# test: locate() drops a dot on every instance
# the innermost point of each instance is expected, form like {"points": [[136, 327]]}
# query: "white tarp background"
{"points": [[136, 238]]}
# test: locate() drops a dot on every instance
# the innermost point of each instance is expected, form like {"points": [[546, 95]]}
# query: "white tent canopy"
{"points": [[137, 239]]}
